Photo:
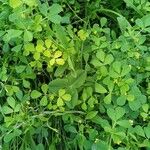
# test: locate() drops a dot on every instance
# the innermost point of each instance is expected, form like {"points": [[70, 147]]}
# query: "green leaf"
{"points": [[117, 67], [19, 95], [61, 92], [121, 100], [146, 20], [103, 21], [20, 68], [66, 97], [9, 137], [107, 99], [44, 101], [48, 43], [100, 55], [91, 114], [129, 3], [145, 107], [7, 110], [147, 131], [70, 63], [74, 98], [60, 102], [15, 3], [36, 56], [28, 36], [96, 62], [17, 108], [30, 3], [35, 94], [44, 9], [100, 145], [70, 128], [119, 112], [99, 88], [139, 131], [135, 105], [125, 70], [12, 33], [78, 81], [55, 8], [29, 47], [17, 48], [84, 106], [57, 84], [44, 88], [40, 147], [124, 123], [113, 74], [123, 23], [11, 101], [109, 59], [55, 18], [26, 84], [111, 113], [130, 97], [61, 35], [115, 114]]}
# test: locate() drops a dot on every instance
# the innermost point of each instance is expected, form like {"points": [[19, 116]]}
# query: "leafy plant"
{"points": [[74, 75]]}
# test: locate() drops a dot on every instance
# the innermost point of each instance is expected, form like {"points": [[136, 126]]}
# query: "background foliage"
{"points": [[74, 74]]}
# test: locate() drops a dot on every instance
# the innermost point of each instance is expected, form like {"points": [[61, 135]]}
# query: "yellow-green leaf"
{"points": [[60, 61], [66, 97], [60, 102], [15, 3], [48, 43], [57, 54], [36, 56]]}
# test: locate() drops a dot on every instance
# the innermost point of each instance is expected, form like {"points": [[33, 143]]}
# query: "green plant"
{"points": [[74, 75]]}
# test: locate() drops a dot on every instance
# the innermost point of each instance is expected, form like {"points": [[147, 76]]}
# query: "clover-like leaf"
{"points": [[44, 101], [35, 94], [66, 97], [60, 102], [99, 88]]}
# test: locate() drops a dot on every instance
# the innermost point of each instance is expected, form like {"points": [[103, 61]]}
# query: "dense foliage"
{"points": [[74, 74]]}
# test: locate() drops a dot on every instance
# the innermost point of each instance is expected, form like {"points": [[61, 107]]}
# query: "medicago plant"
{"points": [[74, 74]]}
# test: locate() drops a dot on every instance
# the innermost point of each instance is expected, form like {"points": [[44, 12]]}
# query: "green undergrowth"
{"points": [[74, 74]]}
